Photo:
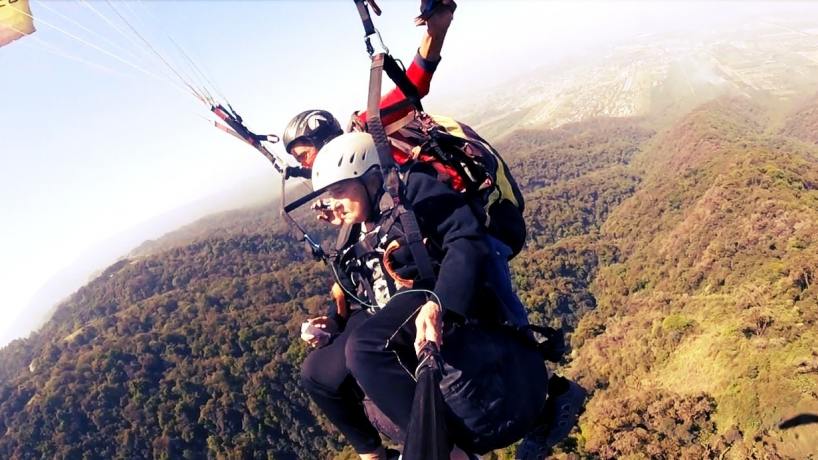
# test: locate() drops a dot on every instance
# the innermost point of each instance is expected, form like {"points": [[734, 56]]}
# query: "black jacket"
{"points": [[456, 240]]}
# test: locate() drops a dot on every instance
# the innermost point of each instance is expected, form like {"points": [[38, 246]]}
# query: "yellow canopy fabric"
{"points": [[15, 20]]}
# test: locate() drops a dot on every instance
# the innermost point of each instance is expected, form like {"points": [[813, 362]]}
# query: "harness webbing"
{"points": [[389, 170], [366, 19], [397, 74], [391, 66], [235, 127], [391, 179]]}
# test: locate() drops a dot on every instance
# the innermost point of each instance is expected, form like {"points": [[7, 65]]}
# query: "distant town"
{"points": [[659, 73]]}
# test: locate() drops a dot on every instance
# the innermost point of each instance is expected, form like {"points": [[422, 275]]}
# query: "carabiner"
{"points": [[368, 40]]}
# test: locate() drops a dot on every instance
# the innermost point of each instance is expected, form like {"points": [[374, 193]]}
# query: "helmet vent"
{"points": [[351, 158], [340, 160]]}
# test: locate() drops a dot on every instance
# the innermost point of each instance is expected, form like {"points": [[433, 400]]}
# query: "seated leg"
{"points": [[325, 377]]}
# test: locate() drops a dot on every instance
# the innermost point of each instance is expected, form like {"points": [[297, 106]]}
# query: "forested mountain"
{"points": [[704, 334], [680, 258]]}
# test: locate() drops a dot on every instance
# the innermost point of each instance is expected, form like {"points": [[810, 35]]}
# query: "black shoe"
{"points": [[562, 408]]}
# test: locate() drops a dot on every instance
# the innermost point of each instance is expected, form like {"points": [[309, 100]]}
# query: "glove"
{"points": [[429, 8]]}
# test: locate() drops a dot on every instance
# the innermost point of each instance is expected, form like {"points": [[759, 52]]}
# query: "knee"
{"points": [[359, 345], [310, 376], [352, 352]]}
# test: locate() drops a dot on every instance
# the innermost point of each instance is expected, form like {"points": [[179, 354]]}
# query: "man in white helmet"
{"points": [[391, 319]]}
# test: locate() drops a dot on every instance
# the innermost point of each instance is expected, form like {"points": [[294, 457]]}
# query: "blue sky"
{"points": [[88, 152]]}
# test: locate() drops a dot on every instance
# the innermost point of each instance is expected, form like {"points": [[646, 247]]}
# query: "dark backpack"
{"points": [[469, 164]]}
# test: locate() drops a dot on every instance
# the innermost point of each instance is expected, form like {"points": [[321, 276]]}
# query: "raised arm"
{"points": [[394, 105], [436, 27]]}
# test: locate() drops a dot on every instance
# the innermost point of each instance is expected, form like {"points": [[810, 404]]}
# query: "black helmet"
{"points": [[316, 126]]}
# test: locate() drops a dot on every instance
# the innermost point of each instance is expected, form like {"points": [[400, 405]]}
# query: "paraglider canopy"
{"points": [[15, 20]]}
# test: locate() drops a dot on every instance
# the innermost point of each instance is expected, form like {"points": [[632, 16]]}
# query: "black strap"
{"points": [[366, 19], [397, 74], [552, 346], [375, 125], [391, 178], [297, 171], [346, 235], [420, 254], [301, 201], [365, 246], [391, 66], [370, 292]]}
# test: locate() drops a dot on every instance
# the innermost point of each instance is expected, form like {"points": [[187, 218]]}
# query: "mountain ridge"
{"points": [[710, 297]]}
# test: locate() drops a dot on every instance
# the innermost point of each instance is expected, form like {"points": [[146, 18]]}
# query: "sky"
{"points": [[92, 144]]}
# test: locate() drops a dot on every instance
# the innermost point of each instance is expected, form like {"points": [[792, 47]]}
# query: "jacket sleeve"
{"points": [[394, 104], [340, 321], [446, 218]]}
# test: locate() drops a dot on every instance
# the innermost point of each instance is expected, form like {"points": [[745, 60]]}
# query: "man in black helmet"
{"points": [[308, 131]]}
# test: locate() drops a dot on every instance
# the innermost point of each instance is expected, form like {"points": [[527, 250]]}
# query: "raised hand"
{"points": [[326, 212], [317, 331]]}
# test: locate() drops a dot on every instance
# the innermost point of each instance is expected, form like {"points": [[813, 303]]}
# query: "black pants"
{"points": [[378, 353], [331, 375], [494, 385], [326, 378], [381, 356]]}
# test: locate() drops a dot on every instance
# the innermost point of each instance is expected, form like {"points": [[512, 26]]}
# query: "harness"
{"points": [[364, 258], [354, 251], [382, 61]]}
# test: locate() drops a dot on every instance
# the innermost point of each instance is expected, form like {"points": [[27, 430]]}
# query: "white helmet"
{"points": [[347, 156]]}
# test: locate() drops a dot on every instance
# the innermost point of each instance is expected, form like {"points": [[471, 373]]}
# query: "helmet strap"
{"points": [[373, 198]]}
